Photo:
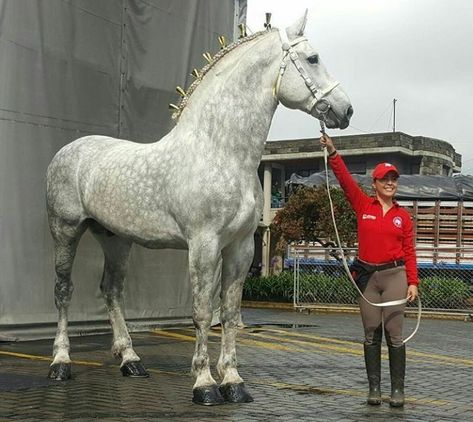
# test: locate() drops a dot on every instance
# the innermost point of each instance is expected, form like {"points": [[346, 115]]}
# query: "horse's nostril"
{"points": [[349, 112]]}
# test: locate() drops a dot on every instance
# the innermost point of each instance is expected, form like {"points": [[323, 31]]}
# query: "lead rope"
{"points": [[345, 264]]}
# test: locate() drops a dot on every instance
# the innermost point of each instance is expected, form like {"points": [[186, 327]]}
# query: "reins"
{"points": [[345, 264]]}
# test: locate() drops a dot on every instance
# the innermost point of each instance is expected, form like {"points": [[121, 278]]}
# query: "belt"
{"points": [[387, 266]]}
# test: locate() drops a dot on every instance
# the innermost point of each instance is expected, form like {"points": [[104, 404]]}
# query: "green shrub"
{"points": [[444, 293], [321, 288], [324, 288], [436, 292], [275, 287]]}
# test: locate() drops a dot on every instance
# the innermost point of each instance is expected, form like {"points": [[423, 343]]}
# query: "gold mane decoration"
{"points": [[212, 61]]}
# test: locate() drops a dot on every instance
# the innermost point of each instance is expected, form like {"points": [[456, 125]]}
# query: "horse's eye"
{"points": [[313, 59]]}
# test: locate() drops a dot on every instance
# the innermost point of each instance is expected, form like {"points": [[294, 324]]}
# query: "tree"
{"points": [[307, 217]]}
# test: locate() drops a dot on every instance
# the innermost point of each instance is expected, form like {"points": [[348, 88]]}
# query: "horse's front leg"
{"points": [[203, 264], [236, 263]]}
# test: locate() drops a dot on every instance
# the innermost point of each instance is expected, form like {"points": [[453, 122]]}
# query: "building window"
{"points": [[445, 170]]}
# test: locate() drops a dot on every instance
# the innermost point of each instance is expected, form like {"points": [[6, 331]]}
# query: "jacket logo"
{"points": [[368, 217], [397, 221]]}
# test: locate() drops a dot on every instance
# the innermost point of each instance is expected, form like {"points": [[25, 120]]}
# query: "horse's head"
{"points": [[304, 83]]}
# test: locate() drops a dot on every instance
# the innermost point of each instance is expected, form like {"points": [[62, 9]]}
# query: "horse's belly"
{"points": [[162, 243], [152, 229]]}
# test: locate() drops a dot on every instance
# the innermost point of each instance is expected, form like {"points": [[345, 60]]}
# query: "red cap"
{"points": [[382, 169]]}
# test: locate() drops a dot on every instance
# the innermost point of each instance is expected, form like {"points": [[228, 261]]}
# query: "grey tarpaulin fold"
{"points": [[73, 68], [411, 187]]}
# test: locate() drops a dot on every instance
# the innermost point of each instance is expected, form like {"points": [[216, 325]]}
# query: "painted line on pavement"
{"points": [[278, 385], [247, 342], [419, 357], [436, 357], [46, 358]]}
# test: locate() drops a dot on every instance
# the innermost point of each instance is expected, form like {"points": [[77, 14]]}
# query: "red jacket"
{"points": [[381, 239]]}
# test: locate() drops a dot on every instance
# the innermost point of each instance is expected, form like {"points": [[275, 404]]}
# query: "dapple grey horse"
{"points": [[195, 189]]}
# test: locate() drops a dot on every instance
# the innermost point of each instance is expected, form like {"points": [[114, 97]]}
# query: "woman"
{"points": [[386, 247]]}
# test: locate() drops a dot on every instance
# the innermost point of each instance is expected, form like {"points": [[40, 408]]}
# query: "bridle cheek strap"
{"points": [[289, 51]]}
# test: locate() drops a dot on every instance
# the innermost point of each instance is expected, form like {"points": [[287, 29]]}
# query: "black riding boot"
{"points": [[397, 367], [373, 370]]}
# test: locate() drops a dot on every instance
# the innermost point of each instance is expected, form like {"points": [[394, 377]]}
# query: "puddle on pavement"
{"points": [[258, 328]]}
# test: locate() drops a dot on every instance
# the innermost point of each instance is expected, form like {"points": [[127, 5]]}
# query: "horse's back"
{"points": [[83, 150]]}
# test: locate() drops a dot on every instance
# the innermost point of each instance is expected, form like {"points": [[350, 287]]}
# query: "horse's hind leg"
{"points": [[236, 262], [116, 251], [204, 257], [66, 238]]}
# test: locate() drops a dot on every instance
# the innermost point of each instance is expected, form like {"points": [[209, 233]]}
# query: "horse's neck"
{"points": [[230, 113]]}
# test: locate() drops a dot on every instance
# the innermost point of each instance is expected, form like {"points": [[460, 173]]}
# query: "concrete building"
{"points": [[410, 154]]}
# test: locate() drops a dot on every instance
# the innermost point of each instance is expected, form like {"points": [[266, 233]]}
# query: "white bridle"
{"points": [[289, 51]]}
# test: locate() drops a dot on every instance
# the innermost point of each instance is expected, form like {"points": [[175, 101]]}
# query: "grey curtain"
{"points": [[70, 68]]}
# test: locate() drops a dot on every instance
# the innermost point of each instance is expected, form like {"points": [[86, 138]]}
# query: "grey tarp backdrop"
{"points": [[70, 68]]}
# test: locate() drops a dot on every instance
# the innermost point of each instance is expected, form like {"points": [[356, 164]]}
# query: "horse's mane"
{"points": [[215, 59]]}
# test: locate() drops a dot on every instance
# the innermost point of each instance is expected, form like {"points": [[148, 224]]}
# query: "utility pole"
{"points": [[394, 115]]}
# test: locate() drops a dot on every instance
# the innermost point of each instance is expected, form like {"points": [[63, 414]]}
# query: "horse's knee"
{"points": [[202, 313], [202, 320]]}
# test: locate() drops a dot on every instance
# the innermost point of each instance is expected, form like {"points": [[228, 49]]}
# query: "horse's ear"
{"points": [[297, 28]]}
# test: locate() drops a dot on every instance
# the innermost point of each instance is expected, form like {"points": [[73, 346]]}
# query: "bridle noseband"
{"points": [[289, 51]]}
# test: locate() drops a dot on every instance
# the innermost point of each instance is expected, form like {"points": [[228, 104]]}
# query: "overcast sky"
{"points": [[417, 51]]}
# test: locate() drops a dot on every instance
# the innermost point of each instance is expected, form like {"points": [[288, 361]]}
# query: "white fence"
{"points": [[446, 275]]}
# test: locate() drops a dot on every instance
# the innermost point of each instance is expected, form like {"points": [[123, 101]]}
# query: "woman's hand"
{"points": [[412, 292], [327, 142]]}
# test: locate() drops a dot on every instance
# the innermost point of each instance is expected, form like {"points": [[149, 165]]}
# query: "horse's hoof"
{"points": [[207, 396], [134, 369], [235, 393], [60, 371]]}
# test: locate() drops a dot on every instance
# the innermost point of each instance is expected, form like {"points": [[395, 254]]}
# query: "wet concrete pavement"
{"points": [[298, 367]]}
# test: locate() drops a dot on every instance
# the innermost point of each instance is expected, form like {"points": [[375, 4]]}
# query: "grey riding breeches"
{"points": [[384, 286]]}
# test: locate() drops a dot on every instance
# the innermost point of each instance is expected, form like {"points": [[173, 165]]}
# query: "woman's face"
{"points": [[386, 187]]}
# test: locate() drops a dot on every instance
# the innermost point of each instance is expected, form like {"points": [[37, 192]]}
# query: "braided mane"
{"points": [[222, 53]]}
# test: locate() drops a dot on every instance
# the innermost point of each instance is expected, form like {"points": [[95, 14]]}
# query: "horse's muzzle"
{"points": [[339, 120], [346, 119]]}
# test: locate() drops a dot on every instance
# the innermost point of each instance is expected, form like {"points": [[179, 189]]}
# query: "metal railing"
{"points": [[446, 277]]}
